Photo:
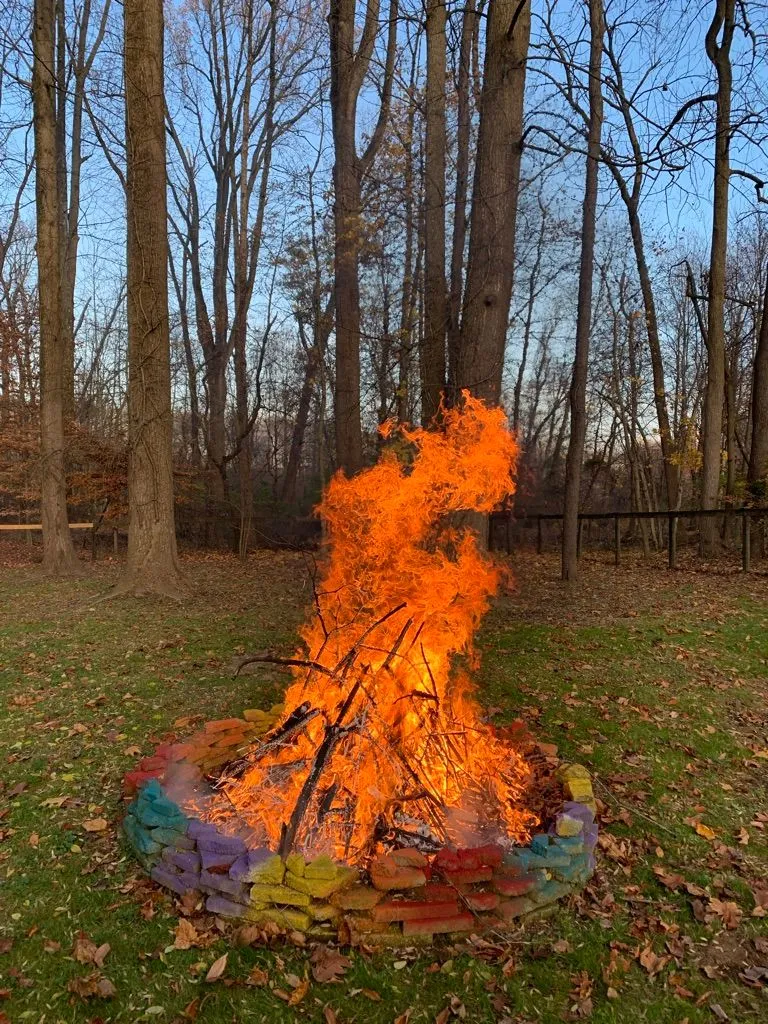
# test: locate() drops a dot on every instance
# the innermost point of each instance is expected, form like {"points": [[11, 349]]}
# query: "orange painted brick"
{"points": [[414, 910], [439, 925]]}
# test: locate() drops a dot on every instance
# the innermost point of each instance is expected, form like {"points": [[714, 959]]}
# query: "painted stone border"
{"points": [[405, 899]]}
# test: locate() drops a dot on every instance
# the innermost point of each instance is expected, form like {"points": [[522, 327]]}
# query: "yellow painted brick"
{"points": [[279, 894], [284, 917], [295, 864]]}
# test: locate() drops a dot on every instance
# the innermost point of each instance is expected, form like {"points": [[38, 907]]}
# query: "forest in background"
{"points": [[556, 205]]}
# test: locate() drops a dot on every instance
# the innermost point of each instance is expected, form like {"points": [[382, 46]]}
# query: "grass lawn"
{"points": [[657, 680]]}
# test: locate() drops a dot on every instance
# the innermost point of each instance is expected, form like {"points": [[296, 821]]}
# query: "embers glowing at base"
{"points": [[381, 736]]}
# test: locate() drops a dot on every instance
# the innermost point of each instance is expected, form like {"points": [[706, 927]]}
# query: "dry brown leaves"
{"points": [[328, 965]]}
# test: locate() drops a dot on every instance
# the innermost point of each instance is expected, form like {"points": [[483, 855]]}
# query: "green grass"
{"points": [[657, 681]]}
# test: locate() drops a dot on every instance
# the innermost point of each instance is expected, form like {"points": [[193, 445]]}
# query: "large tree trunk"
{"points": [[432, 357], [757, 470], [491, 263], [347, 225], [712, 412], [152, 565], [58, 551], [349, 67], [578, 393]]}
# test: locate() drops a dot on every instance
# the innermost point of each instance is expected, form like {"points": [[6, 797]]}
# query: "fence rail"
{"points": [[746, 514], [39, 526]]}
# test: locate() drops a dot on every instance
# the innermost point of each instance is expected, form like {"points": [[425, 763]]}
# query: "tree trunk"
{"points": [[712, 413], [58, 551], [346, 220], [758, 452], [490, 269], [349, 67], [432, 356], [152, 565], [459, 238], [578, 392]]}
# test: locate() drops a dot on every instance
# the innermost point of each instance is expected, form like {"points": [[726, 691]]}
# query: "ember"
{"points": [[381, 738]]}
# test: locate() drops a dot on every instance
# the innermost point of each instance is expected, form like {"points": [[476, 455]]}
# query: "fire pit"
{"points": [[376, 805]]}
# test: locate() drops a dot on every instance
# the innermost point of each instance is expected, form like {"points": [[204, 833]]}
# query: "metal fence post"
{"points": [[745, 541], [672, 540]]}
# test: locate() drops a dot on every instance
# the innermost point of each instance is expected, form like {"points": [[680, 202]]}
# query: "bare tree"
{"points": [[758, 453], [58, 552], [718, 47], [152, 565], [491, 261], [578, 390], [432, 356], [349, 67]]}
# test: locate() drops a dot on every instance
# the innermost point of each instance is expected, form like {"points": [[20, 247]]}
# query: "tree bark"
{"points": [[490, 269], [578, 392], [758, 451], [152, 565], [718, 53], [459, 237], [349, 66], [432, 357], [58, 551]]}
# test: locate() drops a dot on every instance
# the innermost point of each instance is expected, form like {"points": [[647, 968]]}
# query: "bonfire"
{"points": [[382, 740]]}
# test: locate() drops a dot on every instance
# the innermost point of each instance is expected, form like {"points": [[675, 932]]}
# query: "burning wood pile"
{"points": [[376, 804], [381, 740]]}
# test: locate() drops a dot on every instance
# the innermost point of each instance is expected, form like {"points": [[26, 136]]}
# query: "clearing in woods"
{"points": [[657, 681]]}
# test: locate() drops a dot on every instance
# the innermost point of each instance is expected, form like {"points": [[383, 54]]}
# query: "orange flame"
{"points": [[388, 724]]}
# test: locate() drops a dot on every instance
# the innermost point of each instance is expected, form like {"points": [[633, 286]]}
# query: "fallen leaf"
{"points": [[217, 968], [94, 985], [705, 831], [299, 992], [730, 912], [185, 935], [84, 949], [258, 977], [328, 964], [651, 961], [95, 825]]}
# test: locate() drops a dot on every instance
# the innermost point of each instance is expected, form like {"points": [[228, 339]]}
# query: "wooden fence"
{"points": [[745, 514]]}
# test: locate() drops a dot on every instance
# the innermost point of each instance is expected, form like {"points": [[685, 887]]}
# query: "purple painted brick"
{"points": [[590, 837], [221, 884], [216, 860], [201, 830], [247, 861], [580, 811], [224, 907], [184, 860], [191, 879], [169, 879], [222, 844]]}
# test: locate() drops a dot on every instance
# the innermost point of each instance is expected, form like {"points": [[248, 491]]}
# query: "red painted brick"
{"points": [[447, 860], [439, 891], [509, 909], [132, 780], [481, 901], [180, 751], [414, 910], [480, 857], [153, 764], [468, 877], [514, 886], [439, 925]]}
